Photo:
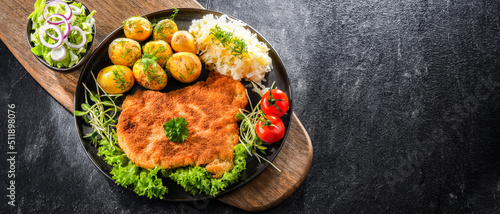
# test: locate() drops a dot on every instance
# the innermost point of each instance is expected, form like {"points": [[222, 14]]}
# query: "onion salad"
{"points": [[62, 30]]}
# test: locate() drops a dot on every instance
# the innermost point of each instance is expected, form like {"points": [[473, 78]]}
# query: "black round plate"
{"points": [[29, 31], [100, 60]]}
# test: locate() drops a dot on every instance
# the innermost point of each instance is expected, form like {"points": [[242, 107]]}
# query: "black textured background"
{"points": [[400, 98]]}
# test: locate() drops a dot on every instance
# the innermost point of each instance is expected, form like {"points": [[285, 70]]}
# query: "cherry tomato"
{"points": [[274, 102], [270, 129]]}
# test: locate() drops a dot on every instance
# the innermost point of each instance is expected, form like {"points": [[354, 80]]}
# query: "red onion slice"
{"points": [[84, 38], [51, 36], [75, 10], [67, 14], [66, 23], [57, 54], [60, 16], [59, 39]]}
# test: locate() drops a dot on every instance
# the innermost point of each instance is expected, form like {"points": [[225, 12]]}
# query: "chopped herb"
{"points": [[127, 21], [122, 41], [148, 50], [148, 56], [182, 77], [166, 66], [163, 25], [191, 72], [160, 49], [176, 11], [127, 51], [187, 69], [151, 70], [154, 22], [235, 45], [118, 78]]}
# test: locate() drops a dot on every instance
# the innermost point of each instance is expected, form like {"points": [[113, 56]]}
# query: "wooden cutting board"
{"points": [[267, 190]]}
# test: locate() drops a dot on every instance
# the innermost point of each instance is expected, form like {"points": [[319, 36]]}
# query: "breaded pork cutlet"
{"points": [[208, 106]]}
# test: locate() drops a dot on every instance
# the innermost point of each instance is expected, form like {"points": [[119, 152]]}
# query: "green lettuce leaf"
{"points": [[198, 180], [125, 173], [144, 182], [149, 184], [39, 6]]}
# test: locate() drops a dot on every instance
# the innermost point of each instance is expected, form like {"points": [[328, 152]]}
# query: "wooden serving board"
{"points": [[266, 191]]}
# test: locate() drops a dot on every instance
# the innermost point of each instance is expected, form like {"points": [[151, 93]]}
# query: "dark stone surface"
{"points": [[400, 98]]}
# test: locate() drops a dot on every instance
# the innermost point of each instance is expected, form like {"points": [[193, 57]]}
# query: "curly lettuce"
{"points": [[196, 179], [125, 173]]}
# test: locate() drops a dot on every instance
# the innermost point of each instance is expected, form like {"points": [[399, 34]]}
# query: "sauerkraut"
{"points": [[227, 47]]}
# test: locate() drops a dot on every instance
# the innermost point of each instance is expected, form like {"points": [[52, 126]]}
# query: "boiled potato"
{"points": [[137, 28], [164, 30], [183, 41], [159, 49], [115, 79], [124, 51], [149, 74], [184, 67]]}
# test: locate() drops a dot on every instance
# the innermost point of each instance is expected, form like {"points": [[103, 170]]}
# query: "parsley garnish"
{"points": [[176, 129]]}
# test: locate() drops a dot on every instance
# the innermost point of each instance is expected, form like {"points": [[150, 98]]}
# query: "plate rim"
{"points": [[234, 187]]}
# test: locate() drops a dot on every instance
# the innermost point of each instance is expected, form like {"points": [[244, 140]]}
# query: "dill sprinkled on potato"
{"points": [[127, 51], [118, 78], [151, 70]]}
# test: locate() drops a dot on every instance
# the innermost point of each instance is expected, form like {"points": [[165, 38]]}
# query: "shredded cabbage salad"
{"points": [[83, 21]]}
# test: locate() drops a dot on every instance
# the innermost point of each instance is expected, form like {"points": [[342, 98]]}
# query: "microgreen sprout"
{"points": [[248, 136], [101, 115]]}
